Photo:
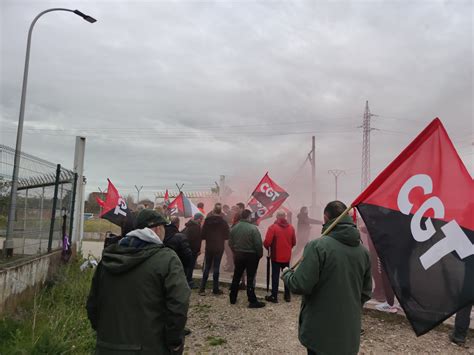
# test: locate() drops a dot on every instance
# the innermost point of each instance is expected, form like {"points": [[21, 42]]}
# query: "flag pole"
{"points": [[330, 228]]}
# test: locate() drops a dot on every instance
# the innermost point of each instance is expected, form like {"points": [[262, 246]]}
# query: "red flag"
{"points": [[100, 202], [354, 215], [166, 199], [419, 214], [115, 208]]}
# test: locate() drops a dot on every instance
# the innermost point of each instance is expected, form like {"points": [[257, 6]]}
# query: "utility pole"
{"points": [[336, 173], [78, 222], [102, 197], [313, 176], [138, 193], [365, 178]]}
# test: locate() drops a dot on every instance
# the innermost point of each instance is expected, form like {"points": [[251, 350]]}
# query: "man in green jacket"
{"points": [[335, 281], [139, 298], [246, 244]]}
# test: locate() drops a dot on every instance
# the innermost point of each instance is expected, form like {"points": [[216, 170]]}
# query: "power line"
{"points": [[197, 127], [295, 175]]}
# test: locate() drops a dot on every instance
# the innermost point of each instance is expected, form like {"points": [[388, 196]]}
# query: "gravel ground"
{"points": [[220, 328]]}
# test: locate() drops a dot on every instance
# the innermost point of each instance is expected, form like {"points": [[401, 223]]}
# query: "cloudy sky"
{"points": [[184, 91]]}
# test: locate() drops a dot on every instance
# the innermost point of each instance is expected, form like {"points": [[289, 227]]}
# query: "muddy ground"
{"points": [[219, 328]]}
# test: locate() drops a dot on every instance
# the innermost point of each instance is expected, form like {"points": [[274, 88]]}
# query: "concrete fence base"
{"points": [[18, 282]]}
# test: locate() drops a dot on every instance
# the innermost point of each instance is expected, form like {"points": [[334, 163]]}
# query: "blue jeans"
{"points": [[276, 267], [213, 260]]}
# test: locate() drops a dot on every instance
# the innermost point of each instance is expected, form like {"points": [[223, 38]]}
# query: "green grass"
{"points": [[100, 225], [55, 321], [215, 341]]}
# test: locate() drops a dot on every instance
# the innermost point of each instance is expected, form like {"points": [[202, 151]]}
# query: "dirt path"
{"points": [[218, 327]]}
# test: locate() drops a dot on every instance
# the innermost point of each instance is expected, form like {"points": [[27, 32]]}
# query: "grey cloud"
{"points": [[161, 81]]}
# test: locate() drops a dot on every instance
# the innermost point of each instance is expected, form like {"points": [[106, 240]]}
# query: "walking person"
{"points": [[178, 242], [200, 207], [461, 326], [463, 316], [279, 240], [217, 211], [335, 281], [236, 215], [215, 232], [389, 304], [229, 257], [139, 297], [303, 229], [193, 233], [246, 243], [236, 212]]}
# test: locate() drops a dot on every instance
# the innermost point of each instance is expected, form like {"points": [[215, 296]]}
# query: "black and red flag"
{"points": [[182, 206], [419, 214], [259, 211], [267, 197], [115, 208]]}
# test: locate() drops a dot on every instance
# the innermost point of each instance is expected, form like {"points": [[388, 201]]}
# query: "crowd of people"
{"points": [[140, 292]]}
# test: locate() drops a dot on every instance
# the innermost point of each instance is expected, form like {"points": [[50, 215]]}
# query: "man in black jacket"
{"points": [[178, 242], [193, 233], [215, 232]]}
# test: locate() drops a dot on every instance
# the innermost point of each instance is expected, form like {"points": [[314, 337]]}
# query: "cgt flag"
{"points": [[269, 194], [419, 214], [114, 208], [182, 207], [259, 211]]}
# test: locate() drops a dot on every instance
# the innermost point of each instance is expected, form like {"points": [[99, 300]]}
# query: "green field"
{"points": [[100, 226]]}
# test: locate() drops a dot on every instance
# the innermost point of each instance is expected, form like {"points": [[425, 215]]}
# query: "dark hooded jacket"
{"points": [[280, 239], [215, 231], [139, 298], [335, 281], [193, 232], [179, 243]]}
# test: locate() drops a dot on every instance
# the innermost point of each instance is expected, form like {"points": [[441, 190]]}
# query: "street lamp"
{"points": [[8, 243]]}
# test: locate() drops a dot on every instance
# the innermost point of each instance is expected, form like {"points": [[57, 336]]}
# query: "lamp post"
{"points": [[8, 243]]}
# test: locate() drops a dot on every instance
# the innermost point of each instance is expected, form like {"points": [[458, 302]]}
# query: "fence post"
{"points": [[73, 203], [24, 221], [53, 212], [41, 220]]}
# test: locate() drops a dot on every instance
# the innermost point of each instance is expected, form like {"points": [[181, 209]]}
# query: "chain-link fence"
{"points": [[45, 203]]}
